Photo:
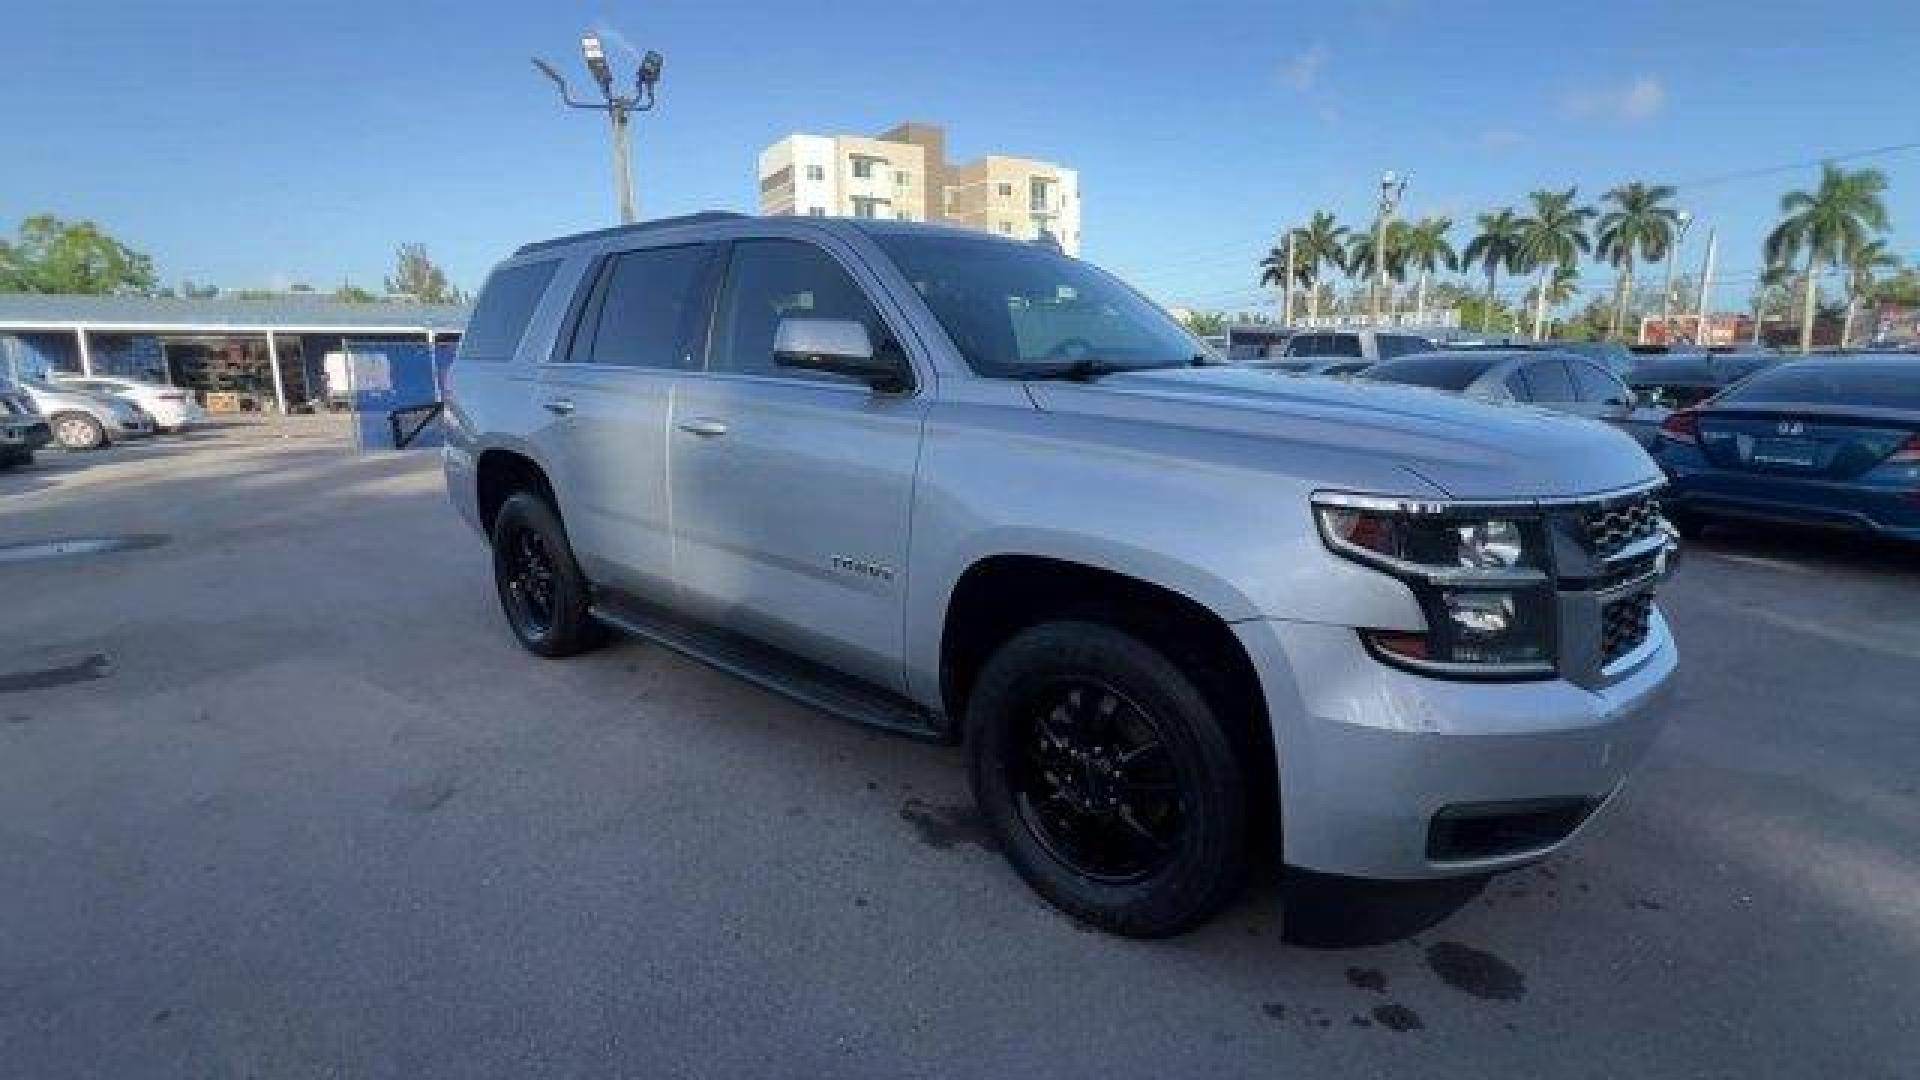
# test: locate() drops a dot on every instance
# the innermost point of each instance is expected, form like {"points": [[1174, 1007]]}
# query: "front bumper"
{"points": [[1370, 756]]}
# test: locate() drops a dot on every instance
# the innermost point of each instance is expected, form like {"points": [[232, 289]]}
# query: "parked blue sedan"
{"points": [[1833, 441]]}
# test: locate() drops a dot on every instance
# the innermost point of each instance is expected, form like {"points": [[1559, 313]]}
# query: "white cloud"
{"points": [[1639, 99], [1303, 71]]}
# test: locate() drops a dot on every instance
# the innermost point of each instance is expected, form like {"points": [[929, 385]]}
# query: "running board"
{"points": [[775, 669]]}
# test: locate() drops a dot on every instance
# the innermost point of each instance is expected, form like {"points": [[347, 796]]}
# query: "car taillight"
{"points": [[1908, 453], [1681, 427]]}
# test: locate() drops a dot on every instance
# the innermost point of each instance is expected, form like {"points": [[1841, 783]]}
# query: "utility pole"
{"points": [[1706, 283], [1666, 291], [1391, 188], [1286, 314], [619, 109]]}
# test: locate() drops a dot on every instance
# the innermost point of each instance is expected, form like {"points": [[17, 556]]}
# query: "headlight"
{"points": [[1479, 573]]}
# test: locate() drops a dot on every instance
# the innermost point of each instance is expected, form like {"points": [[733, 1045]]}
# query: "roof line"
{"points": [[700, 218]]}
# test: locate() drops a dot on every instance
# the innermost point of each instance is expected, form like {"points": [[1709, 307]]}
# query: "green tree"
{"points": [[1638, 224], [1902, 288], [1559, 290], [1392, 246], [349, 293], [1203, 323], [1862, 275], [1318, 244], [416, 275], [1823, 225], [1553, 237], [1771, 295], [1425, 248], [57, 256], [1494, 248]]}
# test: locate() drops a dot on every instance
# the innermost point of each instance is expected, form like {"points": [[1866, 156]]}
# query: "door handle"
{"points": [[703, 426], [558, 406]]}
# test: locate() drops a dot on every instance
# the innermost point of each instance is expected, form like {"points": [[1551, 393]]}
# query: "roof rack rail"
{"points": [[637, 227]]}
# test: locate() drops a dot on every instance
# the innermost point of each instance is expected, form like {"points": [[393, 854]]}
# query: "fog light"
{"points": [[1480, 614]]}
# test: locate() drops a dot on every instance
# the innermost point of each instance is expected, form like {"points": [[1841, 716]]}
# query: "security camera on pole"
{"points": [[1391, 189], [618, 109]]}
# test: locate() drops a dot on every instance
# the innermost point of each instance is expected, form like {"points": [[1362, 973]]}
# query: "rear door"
{"points": [[792, 490], [608, 391]]}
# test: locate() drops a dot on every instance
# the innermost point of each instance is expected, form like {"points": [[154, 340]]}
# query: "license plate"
{"points": [[1797, 452]]}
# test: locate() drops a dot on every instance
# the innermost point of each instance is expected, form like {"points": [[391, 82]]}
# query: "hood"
{"points": [[1469, 449]]}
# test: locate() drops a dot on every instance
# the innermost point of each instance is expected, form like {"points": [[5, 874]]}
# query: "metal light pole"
{"points": [[619, 109], [1706, 283], [1286, 315], [1666, 292], [1391, 188]]}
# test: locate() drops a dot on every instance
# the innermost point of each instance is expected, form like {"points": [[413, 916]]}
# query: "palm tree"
{"points": [[1766, 291], [1825, 224], [1495, 248], [1559, 287], [1273, 270], [1638, 223], [1862, 262], [1360, 261], [1555, 236], [1318, 243], [1427, 249]]}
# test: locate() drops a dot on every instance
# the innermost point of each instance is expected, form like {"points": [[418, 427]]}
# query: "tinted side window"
{"points": [[1392, 345], [1596, 385], [1303, 345], [769, 280], [500, 315], [1547, 379], [1342, 345], [639, 314]]}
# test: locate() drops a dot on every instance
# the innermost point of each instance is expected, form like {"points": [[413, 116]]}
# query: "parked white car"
{"points": [[172, 407], [83, 419]]}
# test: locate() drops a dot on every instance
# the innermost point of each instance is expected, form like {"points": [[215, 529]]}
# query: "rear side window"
{"points": [[1392, 345], [1593, 384], [1304, 344], [641, 309], [1547, 381], [500, 316], [1342, 345]]}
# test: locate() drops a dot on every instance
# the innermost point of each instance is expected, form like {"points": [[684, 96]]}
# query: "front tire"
{"points": [[78, 431], [542, 591], [1109, 779]]}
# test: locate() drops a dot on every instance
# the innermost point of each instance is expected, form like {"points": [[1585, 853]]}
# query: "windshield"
{"points": [[1881, 386], [1454, 373], [1019, 311]]}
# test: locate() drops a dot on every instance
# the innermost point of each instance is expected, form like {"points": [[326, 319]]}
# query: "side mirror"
{"points": [[839, 347]]}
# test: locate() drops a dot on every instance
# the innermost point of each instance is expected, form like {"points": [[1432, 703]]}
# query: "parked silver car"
{"points": [[83, 420], [1563, 382], [971, 489]]}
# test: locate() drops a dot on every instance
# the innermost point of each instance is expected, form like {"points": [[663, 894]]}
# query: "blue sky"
{"points": [[253, 144]]}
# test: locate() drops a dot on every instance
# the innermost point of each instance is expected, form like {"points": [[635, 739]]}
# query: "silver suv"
{"points": [[973, 490]]}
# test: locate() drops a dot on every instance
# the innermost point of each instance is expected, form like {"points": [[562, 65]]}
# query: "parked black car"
{"points": [[1683, 380], [1552, 380], [1833, 441], [22, 429]]}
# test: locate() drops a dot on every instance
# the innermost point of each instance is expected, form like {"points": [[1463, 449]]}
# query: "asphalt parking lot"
{"points": [[280, 797]]}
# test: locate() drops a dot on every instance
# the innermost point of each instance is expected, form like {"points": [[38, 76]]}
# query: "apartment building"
{"points": [[904, 174]]}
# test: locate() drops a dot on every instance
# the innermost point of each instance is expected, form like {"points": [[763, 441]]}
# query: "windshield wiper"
{"points": [[1090, 368]]}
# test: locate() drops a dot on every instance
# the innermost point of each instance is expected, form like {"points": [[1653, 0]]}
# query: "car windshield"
{"points": [[1881, 386], [1454, 373], [1023, 311]]}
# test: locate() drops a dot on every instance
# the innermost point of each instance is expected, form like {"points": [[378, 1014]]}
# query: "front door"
{"points": [[609, 392], [792, 490]]}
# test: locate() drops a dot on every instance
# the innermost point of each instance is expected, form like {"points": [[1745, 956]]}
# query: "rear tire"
{"points": [[1109, 779], [542, 592], [78, 431]]}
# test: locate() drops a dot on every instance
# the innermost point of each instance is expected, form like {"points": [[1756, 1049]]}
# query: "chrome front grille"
{"points": [[1624, 624], [1611, 528]]}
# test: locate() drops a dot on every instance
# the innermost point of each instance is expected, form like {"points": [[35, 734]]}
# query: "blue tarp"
{"points": [[391, 376]]}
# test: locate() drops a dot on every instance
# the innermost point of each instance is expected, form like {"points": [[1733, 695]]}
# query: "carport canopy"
{"points": [[287, 314]]}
